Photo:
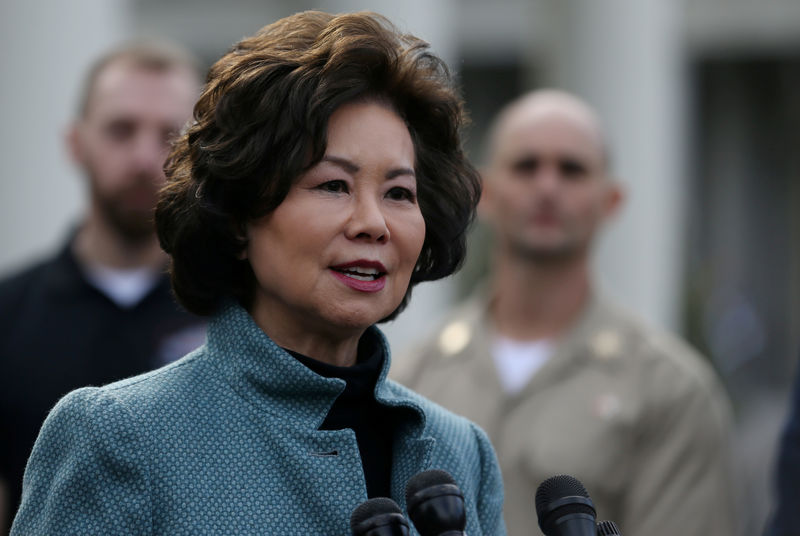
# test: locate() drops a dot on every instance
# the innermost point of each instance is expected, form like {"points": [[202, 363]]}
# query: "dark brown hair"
{"points": [[262, 121]]}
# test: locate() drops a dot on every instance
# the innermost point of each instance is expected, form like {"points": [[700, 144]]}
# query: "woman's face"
{"points": [[337, 254]]}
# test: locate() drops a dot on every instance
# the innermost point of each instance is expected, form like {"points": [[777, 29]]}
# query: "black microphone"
{"points": [[608, 528], [379, 516], [435, 504], [564, 508]]}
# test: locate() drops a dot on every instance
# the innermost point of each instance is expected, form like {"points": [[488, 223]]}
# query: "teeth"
{"points": [[362, 274], [367, 271], [360, 277]]}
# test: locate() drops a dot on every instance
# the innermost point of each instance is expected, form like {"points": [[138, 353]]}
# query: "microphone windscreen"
{"points": [[427, 479], [435, 503], [608, 528], [557, 487], [560, 496], [373, 507]]}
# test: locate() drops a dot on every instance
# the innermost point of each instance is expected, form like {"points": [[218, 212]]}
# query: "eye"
{"points": [[572, 169], [336, 187], [399, 193], [525, 166], [120, 130]]}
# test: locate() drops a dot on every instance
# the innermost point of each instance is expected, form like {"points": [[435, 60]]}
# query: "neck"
{"points": [[340, 354], [97, 243], [332, 346], [536, 299]]}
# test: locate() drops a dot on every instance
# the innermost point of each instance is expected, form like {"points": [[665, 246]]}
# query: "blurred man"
{"points": [[562, 379], [101, 309]]}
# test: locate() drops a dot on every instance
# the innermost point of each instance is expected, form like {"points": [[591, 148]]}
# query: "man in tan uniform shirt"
{"points": [[562, 379]]}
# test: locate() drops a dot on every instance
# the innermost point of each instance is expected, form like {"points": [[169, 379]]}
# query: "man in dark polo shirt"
{"points": [[101, 309]]}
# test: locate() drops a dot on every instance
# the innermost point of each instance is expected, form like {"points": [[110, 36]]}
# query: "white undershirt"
{"points": [[125, 287], [517, 361]]}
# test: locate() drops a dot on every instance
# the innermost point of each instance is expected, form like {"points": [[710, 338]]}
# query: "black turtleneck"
{"points": [[357, 409]]}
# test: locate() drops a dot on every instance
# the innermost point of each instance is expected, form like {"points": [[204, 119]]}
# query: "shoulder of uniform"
{"points": [[452, 335], [653, 347], [458, 329]]}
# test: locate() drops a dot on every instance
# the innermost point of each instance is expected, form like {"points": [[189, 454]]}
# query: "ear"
{"points": [[243, 234], [74, 141], [485, 203], [614, 197]]}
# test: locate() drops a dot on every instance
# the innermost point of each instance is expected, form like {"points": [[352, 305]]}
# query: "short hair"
{"points": [[538, 96], [153, 55], [262, 121]]}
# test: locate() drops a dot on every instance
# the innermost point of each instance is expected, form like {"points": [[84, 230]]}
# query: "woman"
{"points": [[322, 178]]}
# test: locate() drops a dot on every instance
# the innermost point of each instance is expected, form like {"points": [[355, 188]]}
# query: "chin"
{"points": [[361, 318], [544, 250]]}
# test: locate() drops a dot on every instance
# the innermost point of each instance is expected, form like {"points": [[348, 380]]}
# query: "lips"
{"points": [[545, 219], [361, 275]]}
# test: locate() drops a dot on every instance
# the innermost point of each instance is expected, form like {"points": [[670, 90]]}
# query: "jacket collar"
{"points": [[276, 383], [270, 378]]}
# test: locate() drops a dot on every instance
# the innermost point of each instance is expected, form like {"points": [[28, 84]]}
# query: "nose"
{"points": [[548, 179], [367, 220], [149, 153]]}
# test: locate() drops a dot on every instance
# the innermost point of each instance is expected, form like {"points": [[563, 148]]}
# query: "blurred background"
{"points": [[701, 100]]}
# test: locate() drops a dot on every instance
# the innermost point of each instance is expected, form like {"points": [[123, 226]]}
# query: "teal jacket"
{"points": [[226, 442]]}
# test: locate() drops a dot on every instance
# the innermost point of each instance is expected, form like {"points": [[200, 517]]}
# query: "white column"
{"points": [[625, 58], [45, 48]]}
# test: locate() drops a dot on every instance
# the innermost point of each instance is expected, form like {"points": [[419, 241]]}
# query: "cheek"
{"points": [[108, 166], [583, 220], [585, 206], [259, 262], [408, 235], [262, 250], [511, 209], [416, 237], [513, 195]]}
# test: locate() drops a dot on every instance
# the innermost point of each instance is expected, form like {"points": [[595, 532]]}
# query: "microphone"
{"points": [[564, 508], [379, 516], [608, 528], [435, 504]]}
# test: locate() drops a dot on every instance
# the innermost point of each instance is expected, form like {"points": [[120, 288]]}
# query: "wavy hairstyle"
{"points": [[261, 121]]}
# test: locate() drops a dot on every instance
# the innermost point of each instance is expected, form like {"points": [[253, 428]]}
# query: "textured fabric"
{"points": [[58, 333], [633, 413], [226, 441], [357, 409]]}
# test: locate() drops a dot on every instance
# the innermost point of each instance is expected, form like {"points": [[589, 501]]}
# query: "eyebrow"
{"points": [[352, 168]]}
